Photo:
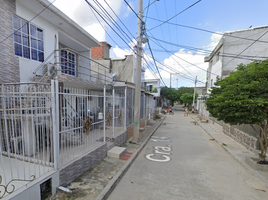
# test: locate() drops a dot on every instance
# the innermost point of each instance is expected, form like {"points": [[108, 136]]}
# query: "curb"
{"points": [[105, 193], [244, 165]]}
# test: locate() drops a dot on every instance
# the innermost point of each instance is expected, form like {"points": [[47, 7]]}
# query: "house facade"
{"points": [[153, 87], [234, 48], [59, 115], [60, 109], [124, 76]]}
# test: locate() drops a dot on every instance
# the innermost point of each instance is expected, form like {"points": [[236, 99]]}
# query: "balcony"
{"points": [[73, 69]]}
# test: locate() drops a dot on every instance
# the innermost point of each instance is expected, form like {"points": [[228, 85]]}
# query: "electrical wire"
{"points": [[120, 19], [179, 58], [175, 15], [109, 25], [249, 57], [246, 48], [205, 30], [112, 20], [133, 11], [46, 7], [154, 61]]}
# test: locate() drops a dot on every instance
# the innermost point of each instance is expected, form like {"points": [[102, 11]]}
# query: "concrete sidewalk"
{"points": [[99, 182], [233, 148]]}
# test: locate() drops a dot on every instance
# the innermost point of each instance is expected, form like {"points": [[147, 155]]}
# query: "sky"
{"points": [[177, 47]]}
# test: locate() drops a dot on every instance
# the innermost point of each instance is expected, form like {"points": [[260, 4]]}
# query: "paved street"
{"points": [[181, 162]]}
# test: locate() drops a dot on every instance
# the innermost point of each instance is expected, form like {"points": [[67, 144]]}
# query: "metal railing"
{"points": [[87, 120], [26, 150], [73, 65]]}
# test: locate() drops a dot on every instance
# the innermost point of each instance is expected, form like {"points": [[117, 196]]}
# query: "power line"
{"points": [[112, 20], [181, 59], [119, 19], [147, 10], [109, 25], [28, 21], [205, 30], [249, 57], [133, 10], [175, 15], [246, 48], [155, 62]]}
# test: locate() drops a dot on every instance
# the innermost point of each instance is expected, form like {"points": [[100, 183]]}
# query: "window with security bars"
{"points": [[67, 62], [28, 40]]}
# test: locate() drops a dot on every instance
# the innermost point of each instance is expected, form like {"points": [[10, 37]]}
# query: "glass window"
{"points": [[218, 56], [67, 62], [27, 45]]}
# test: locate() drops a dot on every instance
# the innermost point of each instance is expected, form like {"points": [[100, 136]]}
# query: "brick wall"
{"points": [[9, 63], [101, 52], [80, 166], [121, 139], [142, 123], [97, 52], [130, 131]]}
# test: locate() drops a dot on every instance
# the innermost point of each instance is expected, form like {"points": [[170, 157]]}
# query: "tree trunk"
{"points": [[262, 140]]}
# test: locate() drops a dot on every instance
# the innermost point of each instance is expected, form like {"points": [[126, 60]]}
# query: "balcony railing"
{"points": [[72, 66]]}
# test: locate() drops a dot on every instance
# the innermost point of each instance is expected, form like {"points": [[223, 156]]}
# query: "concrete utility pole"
{"points": [[194, 94], [170, 80], [136, 130]]}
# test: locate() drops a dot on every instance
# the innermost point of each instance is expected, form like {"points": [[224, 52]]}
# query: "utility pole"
{"points": [[194, 94], [170, 80], [136, 129]]}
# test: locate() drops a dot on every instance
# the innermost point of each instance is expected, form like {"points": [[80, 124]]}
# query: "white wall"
{"points": [[215, 71], [27, 66], [244, 47], [155, 84], [84, 65]]}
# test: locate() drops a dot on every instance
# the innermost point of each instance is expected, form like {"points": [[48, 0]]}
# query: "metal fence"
{"points": [[25, 134], [130, 105], [47, 126], [88, 119], [149, 106]]}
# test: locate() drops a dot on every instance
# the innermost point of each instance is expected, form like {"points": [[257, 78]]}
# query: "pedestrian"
{"points": [[185, 111], [169, 110]]}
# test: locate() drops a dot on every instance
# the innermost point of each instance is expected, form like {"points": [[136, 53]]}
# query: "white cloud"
{"points": [[117, 52], [98, 32], [82, 14], [127, 9], [215, 38], [189, 64]]}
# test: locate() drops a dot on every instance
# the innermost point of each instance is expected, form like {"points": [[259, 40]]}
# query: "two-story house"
{"points": [[235, 47], [57, 119], [124, 77]]}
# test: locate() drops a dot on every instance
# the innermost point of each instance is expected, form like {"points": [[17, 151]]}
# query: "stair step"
{"points": [[116, 152]]}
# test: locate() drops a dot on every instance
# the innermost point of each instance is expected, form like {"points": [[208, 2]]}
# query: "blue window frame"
{"points": [[67, 62], [28, 40]]}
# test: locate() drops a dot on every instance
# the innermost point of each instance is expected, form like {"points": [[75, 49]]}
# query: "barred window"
{"points": [[67, 62], [28, 40]]}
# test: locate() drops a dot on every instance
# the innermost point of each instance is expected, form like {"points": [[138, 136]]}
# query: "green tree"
{"points": [[170, 94], [188, 98], [242, 98], [182, 91]]}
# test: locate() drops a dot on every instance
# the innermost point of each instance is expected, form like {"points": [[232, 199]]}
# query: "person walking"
{"points": [[186, 112]]}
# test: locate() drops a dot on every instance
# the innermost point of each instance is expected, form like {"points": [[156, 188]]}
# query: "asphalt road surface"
{"points": [[181, 162]]}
